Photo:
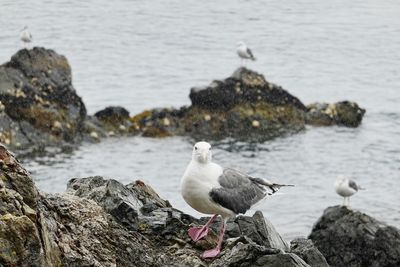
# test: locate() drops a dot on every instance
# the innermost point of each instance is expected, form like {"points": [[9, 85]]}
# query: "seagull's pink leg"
{"points": [[197, 233], [215, 251]]}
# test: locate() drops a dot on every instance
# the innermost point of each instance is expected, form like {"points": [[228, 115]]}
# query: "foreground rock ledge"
{"points": [[100, 222], [352, 238], [39, 107]]}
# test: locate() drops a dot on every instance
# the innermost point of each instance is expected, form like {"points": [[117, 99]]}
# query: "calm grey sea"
{"points": [[145, 54]]}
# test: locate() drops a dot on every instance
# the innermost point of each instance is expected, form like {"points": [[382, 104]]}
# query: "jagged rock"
{"points": [[244, 86], [343, 113], [86, 226], [114, 120], [36, 92], [113, 114], [305, 249], [245, 107], [351, 238]]}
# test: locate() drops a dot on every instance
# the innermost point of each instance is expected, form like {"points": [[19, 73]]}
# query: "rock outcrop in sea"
{"points": [[352, 238], [99, 222], [244, 106], [39, 107]]}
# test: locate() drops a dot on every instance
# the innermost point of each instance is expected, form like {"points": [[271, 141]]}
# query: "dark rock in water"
{"points": [[86, 227], [352, 238], [113, 115], [244, 107], [36, 92], [39, 106], [343, 113], [244, 86], [305, 249]]}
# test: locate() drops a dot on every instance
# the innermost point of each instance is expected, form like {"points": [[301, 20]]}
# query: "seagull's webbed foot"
{"points": [[197, 233], [212, 253]]}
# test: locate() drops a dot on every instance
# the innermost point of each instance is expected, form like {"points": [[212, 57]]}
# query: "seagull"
{"points": [[25, 36], [346, 188], [244, 52], [211, 189]]}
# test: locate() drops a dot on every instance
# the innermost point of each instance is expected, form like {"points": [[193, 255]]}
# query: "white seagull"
{"points": [[25, 36], [211, 189], [346, 188], [244, 52]]}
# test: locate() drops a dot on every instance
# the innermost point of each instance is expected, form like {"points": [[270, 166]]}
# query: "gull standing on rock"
{"points": [[346, 188], [244, 52], [25, 36], [211, 189]]}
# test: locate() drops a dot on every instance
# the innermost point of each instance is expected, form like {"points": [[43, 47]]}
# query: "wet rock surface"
{"points": [[343, 113], [244, 106], [305, 249], [39, 105], [351, 238], [86, 226]]}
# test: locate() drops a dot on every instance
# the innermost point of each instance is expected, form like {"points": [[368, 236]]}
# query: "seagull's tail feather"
{"points": [[274, 187]]}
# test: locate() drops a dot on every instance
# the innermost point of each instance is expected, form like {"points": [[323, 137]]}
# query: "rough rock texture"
{"points": [[352, 238], [305, 249], [39, 105], [343, 113], [100, 222], [244, 106]]}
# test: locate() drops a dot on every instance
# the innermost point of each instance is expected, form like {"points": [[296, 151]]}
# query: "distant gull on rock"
{"points": [[25, 36], [346, 188], [244, 52], [211, 189]]}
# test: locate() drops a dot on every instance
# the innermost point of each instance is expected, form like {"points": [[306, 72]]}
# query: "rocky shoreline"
{"points": [[100, 222], [39, 107]]}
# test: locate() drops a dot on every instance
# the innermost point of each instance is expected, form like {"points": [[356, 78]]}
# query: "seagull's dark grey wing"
{"points": [[250, 53], [353, 185], [238, 191]]}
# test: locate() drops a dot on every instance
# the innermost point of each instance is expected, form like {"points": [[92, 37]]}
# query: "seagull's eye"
{"points": [[195, 148]]}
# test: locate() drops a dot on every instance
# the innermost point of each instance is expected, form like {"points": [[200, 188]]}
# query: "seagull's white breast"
{"points": [[343, 188], [242, 52], [197, 182], [26, 36]]}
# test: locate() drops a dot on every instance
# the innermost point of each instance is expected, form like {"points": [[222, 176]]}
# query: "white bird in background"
{"points": [[346, 188], [211, 189], [25, 36], [244, 52]]}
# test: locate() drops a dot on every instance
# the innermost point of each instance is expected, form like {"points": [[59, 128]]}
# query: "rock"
{"points": [[113, 114], [305, 249], [37, 93], [100, 222], [343, 113], [245, 107], [352, 238], [244, 86]]}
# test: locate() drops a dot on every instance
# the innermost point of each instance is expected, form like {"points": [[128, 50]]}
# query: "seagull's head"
{"points": [[241, 44], [202, 152], [340, 179]]}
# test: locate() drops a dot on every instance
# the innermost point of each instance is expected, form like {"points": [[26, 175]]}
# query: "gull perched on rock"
{"points": [[25, 36], [244, 52], [346, 188], [211, 189]]}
